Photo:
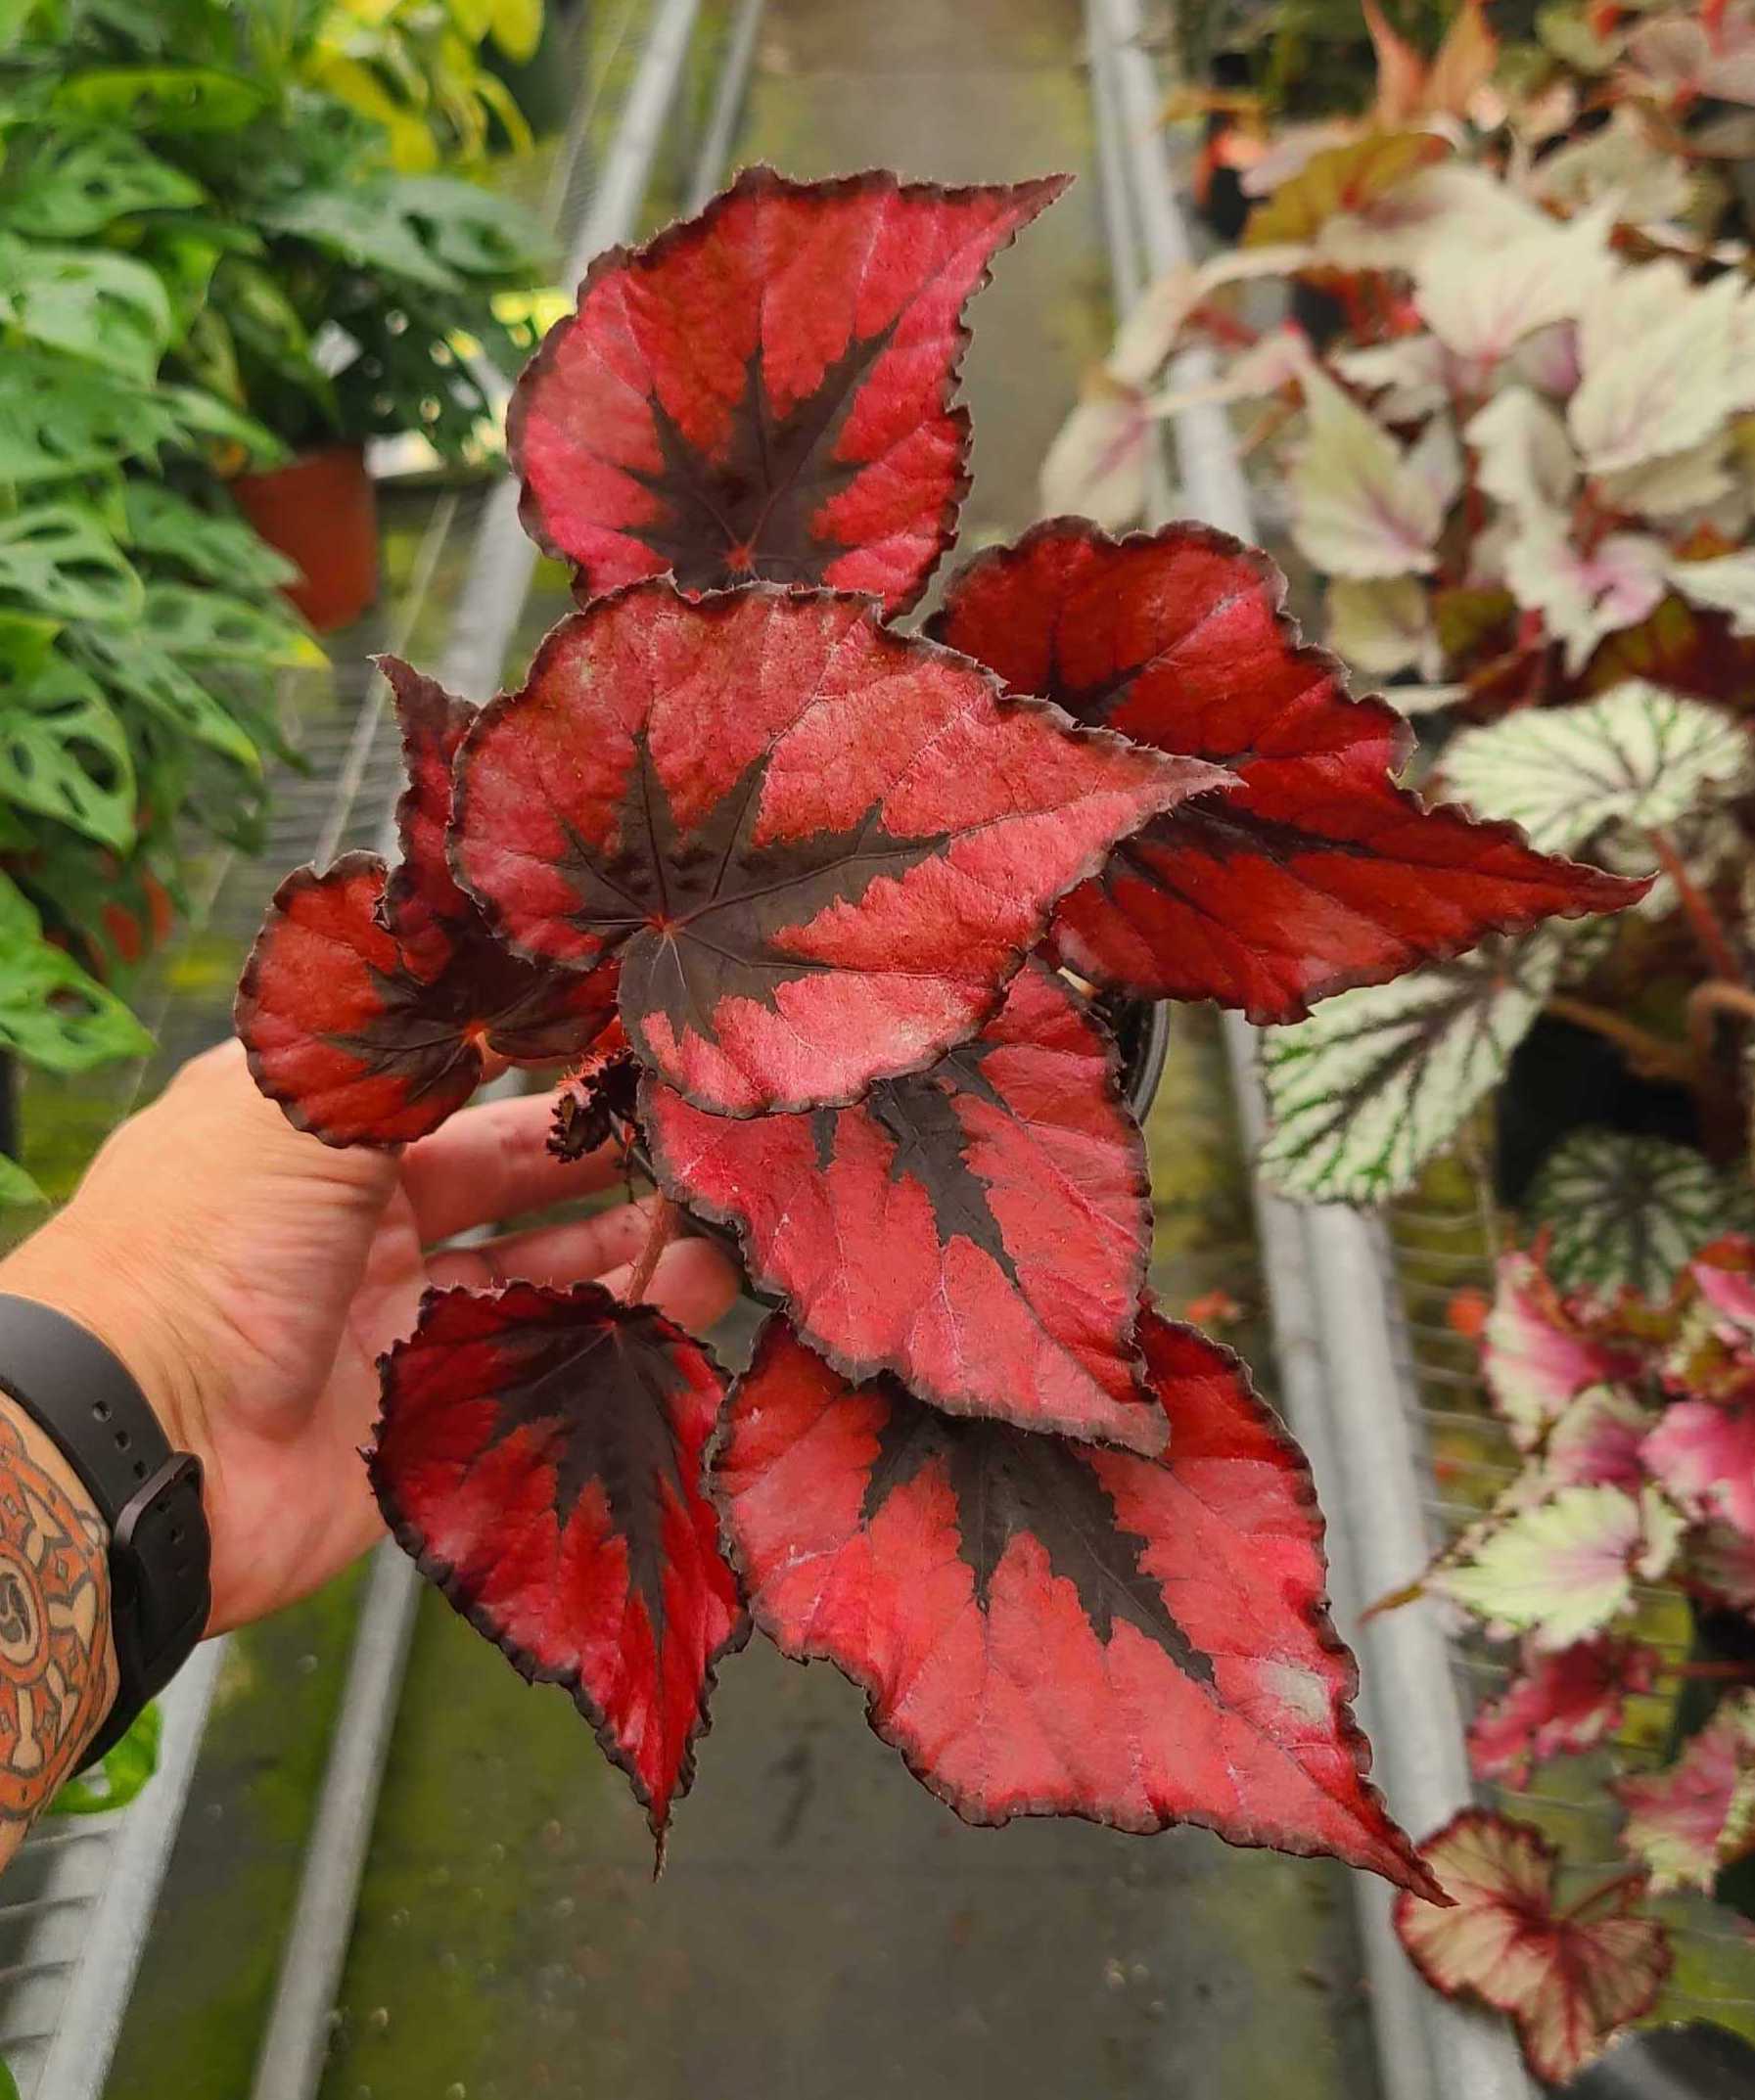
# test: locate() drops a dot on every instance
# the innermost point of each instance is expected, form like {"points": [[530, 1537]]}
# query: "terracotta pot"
{"points": [[321, 513]]}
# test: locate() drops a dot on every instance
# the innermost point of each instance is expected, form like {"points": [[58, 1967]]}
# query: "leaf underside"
{"points": [[1045, 1626], [763, 391], [539, 1454], [818, 848], [980, 1229], [1315, 872]]}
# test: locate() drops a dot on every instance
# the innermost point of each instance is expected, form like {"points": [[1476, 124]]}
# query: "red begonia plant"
{"points": [[817, 908]]}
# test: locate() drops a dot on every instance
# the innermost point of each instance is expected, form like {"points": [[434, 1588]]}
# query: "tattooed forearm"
{"points": [[56, 1664]]}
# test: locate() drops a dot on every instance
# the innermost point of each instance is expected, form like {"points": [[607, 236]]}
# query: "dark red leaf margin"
{"points": [[444, 1414], [707, 332], [1316, 872], [1003, 1193], [806, 1468]]}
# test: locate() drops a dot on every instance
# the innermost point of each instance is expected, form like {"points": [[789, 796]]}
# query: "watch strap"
{"points": [[84, 1399]]}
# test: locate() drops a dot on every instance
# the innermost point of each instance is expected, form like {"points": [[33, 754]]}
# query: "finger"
{"points": [[694, 1281], [583, 1246], [491, 1161]]}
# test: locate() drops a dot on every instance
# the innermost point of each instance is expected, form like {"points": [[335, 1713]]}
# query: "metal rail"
{"points": [[1336, 1328], [289, 2063]]}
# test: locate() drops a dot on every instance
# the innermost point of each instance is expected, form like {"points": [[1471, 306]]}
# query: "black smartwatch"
{"points": [[148, 1495]]}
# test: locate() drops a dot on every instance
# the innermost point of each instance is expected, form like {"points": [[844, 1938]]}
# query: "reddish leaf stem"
{"points": [[1634, 1877], [1708, 931], [1706, 1000], [658, 1232], [1652, 1055], [1743, 1672]]}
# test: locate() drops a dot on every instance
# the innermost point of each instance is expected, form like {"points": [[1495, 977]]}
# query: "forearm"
{"points": [[58, 1675]]}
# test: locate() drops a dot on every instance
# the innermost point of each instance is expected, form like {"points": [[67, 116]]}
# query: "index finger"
{"points": [[491, 1161]]}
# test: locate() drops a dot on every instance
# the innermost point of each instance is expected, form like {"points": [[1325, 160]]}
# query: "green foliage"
{"points": [[121, 1775]]}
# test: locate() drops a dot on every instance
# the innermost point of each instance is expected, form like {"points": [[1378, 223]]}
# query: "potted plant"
{"points": [[141, 641], [814, 906], [322, 292]]}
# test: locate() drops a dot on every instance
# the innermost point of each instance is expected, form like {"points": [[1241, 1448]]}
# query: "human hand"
{"points": [[249, 1277]]}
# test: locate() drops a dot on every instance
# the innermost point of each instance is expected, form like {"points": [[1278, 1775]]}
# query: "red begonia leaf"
{"points": [[819, 848], [763, 391], [980, 1229], [372, 996], [1557, 1704], [1051, 1628], [539, 1454], [422, 903], [1311, 874], [1569, 1978]]}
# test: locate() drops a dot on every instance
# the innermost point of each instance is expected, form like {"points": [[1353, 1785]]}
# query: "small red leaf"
{"points": [[1704, 1454], [421, 902], [372, 996], [1315, 872], [819, 848], [980, 1229], [1684, 1824], [763, 391], [539, 1454], [1046, 1627], [1570, 1978], [1557, 1704]]}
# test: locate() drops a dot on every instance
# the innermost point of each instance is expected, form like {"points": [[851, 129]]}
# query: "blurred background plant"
{"points": [[210, 263]]}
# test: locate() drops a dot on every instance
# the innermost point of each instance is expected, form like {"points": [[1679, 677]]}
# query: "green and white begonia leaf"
{"points": [[1360, 505], [1686, 1822], [1481, 305], [1396, 230], [204, 544], [1377, 1081], [78, 182], [51, 1013], [1154, 325], [1630, 1212], [89, 302], [65, 754], [1383, 626], [1725, 583], [1563, 1568], [1635, 759], [1523, 456], [56, 559], [207, 627], [1661, 363]]}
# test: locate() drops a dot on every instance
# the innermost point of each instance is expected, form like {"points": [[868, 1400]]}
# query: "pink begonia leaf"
{"points": [[1557, 1704], [1704, 1454], [1685, 1824], [1536, 1357], [1569, 1978]]}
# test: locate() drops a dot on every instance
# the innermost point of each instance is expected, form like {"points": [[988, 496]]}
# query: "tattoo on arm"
{"points": [[57, 1666]]}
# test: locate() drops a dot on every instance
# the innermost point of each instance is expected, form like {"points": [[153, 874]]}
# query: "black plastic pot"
{"points": [[1696, 2062]]}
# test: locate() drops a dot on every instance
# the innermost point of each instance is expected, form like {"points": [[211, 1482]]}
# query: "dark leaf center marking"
{"points": [[597, 1408], [701, 912], [1010, 1484], [748, 511]]}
